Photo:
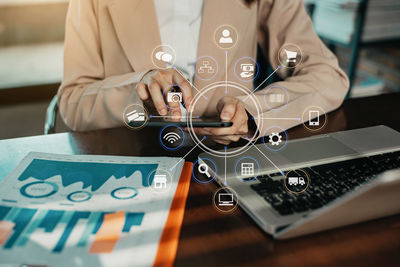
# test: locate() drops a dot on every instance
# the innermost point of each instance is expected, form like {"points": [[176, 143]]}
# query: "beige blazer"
{"points": [[108, 47]]}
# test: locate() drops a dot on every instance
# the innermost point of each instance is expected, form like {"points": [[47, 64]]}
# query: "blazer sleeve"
{"points": [[318, 80], [86, 98]]}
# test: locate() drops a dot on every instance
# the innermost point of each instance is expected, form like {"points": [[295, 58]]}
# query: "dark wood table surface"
{"points": [[210, 238]]}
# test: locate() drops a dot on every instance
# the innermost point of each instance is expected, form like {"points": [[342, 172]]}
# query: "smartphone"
{"points": [[196, 122], [313, 118]]}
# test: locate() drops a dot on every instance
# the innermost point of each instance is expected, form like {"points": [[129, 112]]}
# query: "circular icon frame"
{"points": [[287, 178], [298, 58], [258, 119], [228, 192], [138, 115], [197, 75], [159, 53], [219, 37], [316, 120]]}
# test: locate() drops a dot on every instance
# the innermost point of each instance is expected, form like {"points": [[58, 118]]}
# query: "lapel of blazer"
{"points": [[136, 25], [216, 14]]}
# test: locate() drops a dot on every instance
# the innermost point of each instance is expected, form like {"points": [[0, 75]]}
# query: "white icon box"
{"points": [[164, 56], [225, 199], [172, 137], [275, 139], [206, 68], [313, 117], [247, 70], [174, 97], [277, 98], [203, 169], [135, 116], [296, 181], [160, 181], [291, 56], [247, 169], [225, 38]]}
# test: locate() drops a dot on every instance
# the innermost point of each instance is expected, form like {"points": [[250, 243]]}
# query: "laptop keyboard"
{"points": [[327, 182]]}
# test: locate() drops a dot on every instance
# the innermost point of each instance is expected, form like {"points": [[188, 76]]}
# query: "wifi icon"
{"points": [[171, 137]]}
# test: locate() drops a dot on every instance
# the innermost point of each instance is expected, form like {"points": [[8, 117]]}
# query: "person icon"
{"points": [[225, 39]]}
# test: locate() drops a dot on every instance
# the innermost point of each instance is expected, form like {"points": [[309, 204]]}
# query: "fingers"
{"points": [[158, 81], [227, 139], [142, 91], [164, 79], [221, 141], [185, 87], [239, 123], [202, 131], [156, 96], [228, 111]]}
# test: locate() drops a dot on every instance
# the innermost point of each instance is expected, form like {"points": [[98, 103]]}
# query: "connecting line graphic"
{"points": [[294, 119], [269, 160], [226, 71], [191, 84], [266, 79], [187, 153], [225, 166], [182, 117]]}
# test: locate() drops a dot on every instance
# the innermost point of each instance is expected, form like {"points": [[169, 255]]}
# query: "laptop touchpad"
{"points": [[315, 149]]}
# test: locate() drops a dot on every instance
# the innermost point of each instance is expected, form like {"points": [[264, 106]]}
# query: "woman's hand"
{"points": [[230, 109], [156, 82]]}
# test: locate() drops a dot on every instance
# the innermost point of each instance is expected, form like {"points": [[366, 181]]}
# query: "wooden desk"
{"points": [[209, 238]]}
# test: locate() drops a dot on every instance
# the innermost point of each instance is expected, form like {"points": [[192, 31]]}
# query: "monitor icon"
{"points": [[225, 199]]}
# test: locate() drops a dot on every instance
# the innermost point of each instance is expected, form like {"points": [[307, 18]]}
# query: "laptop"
{"points": [[353, 176]]}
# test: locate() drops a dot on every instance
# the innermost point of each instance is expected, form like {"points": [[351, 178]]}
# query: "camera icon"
{"points": [[174, 97]]}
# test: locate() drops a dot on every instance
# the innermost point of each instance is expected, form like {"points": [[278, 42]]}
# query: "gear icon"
{"points": [[275, 139]]}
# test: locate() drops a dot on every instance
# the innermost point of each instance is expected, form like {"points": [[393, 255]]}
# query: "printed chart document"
{"points": [[85, 210]]}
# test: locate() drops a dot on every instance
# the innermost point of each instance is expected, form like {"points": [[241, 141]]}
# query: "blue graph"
{"points": [[49, 219], [92, 175]]}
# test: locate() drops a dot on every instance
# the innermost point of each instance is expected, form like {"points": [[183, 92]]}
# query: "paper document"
{"points": [[84, 210]]}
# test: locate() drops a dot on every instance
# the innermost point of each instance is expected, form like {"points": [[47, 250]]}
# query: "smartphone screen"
{"points": [[196, 122]]}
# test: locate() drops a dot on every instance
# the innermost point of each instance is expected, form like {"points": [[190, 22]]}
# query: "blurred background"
{"points": [[365, 35]]}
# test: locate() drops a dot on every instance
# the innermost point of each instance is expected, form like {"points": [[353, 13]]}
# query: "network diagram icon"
{"points": [[205, 67]]}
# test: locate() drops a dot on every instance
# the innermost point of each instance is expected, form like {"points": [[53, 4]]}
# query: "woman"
{"points": [[108, 61]]}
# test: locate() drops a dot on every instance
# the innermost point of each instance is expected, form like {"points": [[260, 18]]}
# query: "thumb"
{"points": [[227, 108], [228, 111]]}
